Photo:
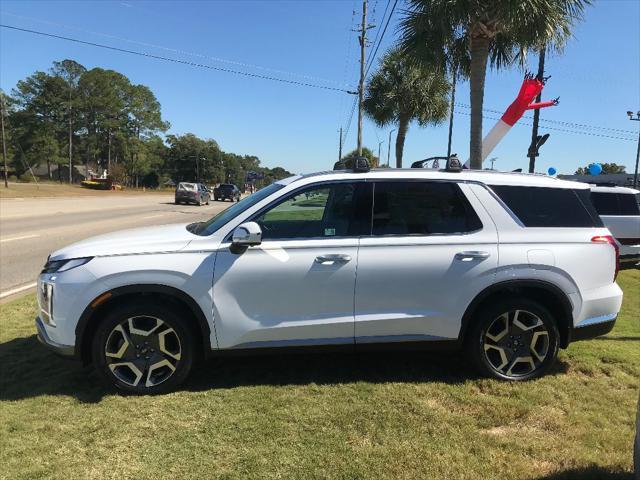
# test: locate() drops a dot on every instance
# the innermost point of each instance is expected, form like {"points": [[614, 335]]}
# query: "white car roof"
{"points": [[482, 176], [599, 188]]}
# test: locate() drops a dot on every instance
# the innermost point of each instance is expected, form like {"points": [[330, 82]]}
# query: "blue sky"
{"points": [[597, 77]]}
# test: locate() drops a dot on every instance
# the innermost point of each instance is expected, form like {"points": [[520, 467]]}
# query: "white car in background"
{"points": [[619, 208], [509, 267]]}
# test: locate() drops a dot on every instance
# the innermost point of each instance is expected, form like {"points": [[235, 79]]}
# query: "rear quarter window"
{"points": [[549, 207]]}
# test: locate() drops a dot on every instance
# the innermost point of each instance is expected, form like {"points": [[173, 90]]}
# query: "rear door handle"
{"points": [[330, 259], [472, 255]]}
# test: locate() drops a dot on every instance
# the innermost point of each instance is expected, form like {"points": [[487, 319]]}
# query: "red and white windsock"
{"points": [[530, 89]]}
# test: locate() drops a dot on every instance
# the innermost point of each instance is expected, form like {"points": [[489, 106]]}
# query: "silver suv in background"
{"points": [[192, 193], [619, 208]]}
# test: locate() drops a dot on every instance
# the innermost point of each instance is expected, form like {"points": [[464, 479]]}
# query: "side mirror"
{"points": [[246, 235]]}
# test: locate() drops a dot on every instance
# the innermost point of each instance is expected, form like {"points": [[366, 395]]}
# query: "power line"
{"points": [[559, 122], [381, 37], [172, 50], [353, 109], [384, 14], [577, 132], [183, 62]]}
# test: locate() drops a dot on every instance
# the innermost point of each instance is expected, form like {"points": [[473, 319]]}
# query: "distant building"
{"points": [[619, 179]]}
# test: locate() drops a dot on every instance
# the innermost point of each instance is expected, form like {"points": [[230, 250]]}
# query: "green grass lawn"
{"points": [[391, 415]]}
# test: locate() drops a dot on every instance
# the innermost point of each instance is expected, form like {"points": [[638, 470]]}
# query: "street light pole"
{"points": [[635, 172], [389, 147], [379, 145]]}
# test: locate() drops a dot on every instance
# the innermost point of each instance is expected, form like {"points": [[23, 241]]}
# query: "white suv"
{"points": [[509, 266], [619, 208]]}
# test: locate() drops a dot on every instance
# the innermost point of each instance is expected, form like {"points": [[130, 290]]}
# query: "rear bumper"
{"points": [[63, 350], [593, 330]]}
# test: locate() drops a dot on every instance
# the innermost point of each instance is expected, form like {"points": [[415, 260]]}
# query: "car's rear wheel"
{"points": [[143, 348], [515, 339]]}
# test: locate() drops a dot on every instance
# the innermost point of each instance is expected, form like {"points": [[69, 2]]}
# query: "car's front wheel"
{"points": [[143, 348], [514, 339]]}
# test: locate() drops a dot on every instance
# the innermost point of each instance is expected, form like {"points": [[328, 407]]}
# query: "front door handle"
{"points": [[472, 255], [330, 259]]}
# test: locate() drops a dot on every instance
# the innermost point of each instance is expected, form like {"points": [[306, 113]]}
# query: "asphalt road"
{"points": [[31, 228]]}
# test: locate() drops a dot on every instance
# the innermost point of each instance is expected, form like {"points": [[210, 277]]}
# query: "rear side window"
{"points": [[549, 207], [614, 204], [421, 208]]}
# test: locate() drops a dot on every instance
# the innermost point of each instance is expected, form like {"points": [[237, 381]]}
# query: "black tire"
{"points": [[178, 344], [528, 352]]}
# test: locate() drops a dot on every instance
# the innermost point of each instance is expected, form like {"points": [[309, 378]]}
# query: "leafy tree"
{"points": [[70, 72], [474, 33], [606, 169], [402, 91], [366, 152], [39, 119]]}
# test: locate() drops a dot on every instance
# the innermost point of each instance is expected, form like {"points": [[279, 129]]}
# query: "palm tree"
{"points": [[402, 91], [475, 33]]}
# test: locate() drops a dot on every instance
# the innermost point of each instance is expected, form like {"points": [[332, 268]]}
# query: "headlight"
{"points": [[56, 266]]}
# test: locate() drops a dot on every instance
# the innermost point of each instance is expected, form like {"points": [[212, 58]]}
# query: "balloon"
{"points": [[595, 169], [552, 171]]}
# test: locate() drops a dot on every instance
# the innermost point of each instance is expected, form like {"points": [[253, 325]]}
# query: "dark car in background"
{"points": [[192, 193], [226, 191]]}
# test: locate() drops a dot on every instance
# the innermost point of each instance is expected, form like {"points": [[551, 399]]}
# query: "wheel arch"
{"points": [[545, 293], [103, 303]]}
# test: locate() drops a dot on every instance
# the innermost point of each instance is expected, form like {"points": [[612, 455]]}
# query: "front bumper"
{"points": [[63, 350]]}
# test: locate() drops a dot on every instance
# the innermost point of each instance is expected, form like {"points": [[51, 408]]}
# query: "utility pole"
{"points": [[340, 146], [389, 147], [70, 141], [536, 115], [4, 143], [363, 45], [453, 100], [635, 173], [379, 146]]}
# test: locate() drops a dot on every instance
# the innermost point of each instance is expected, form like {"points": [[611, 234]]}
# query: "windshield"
{"points": [[213, 224], [191, 187]]}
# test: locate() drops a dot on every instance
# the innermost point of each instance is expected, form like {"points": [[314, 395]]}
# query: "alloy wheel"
{"points": [[142, 351], [516, 343]]}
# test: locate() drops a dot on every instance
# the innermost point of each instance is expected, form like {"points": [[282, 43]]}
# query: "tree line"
{"points": [[70, 116]]}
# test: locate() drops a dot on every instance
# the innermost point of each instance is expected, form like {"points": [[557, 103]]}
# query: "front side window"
{"points": [[323, 211], [422, 208]]}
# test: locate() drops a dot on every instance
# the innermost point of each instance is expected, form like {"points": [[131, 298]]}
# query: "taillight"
{"points": [[611, 241]]}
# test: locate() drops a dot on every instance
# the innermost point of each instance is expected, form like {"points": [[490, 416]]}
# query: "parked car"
{"points": [[509, 267], [619, 208], [226, 191], [192, 193]]}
